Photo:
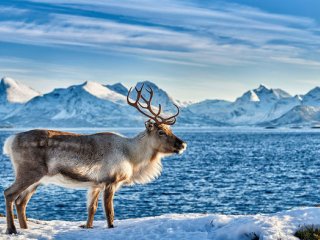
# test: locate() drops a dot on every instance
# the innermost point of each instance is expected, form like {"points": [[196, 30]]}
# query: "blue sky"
{"points": [[193, 49]]}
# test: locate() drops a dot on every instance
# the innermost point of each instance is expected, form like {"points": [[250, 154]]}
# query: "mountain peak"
{"points": [[262, 87], [249, 96], [266, 93], [92, 84], [119, 88], [312, 98], [314, 90], [160, 96], [313, 93], [149, 84], [8, 81], [100, 91], [16, 92]]}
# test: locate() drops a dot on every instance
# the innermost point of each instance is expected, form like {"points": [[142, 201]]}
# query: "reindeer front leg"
{"points": [[108, 203], [92, 204]]}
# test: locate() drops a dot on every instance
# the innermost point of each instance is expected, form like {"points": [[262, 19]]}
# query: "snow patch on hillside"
{"points": [[178, 226], [64, 115], [250, 96]]}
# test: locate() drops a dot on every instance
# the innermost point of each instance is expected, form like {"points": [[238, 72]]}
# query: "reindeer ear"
{"points": [[149, 125]]}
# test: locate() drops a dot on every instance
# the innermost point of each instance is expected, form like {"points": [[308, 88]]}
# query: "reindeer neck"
{"points": [[140, 148]]}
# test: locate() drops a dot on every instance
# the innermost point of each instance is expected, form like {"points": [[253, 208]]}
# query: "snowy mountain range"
{"points": [[92, 104], [259, 106]]}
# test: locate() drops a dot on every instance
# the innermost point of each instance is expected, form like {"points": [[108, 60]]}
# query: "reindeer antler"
{"points": [[154, 115]]}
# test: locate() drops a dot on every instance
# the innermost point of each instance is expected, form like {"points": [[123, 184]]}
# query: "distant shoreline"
{"points": [[179, 129]]}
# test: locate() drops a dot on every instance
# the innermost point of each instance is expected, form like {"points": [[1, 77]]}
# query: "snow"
{"points": [[299, 97], [160, 96], [261, 87], [276, 226], [118, 88], [312, 98], [92, 104], [253, 97], [63, 114], [100, 91], [17, 92], [253, 107], [250, 96], [299, 116], [86, 105], [260, 105]]}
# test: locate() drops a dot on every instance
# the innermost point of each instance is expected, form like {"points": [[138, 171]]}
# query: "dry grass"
{"points": [[308, 233]]}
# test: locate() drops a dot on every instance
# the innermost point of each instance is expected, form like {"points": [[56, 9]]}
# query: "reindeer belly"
{"points": [[71, 173], [65, 181]]}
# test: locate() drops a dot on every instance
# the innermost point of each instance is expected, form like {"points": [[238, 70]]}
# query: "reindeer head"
{"points": [[158, 127]]}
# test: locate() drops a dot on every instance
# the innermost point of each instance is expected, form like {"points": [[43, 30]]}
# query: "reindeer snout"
{"points": [[180, 146], [184, 146]]}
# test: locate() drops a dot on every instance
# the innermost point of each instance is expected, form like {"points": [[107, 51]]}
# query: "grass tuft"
{"points": [[308, 233], [252, 236]]}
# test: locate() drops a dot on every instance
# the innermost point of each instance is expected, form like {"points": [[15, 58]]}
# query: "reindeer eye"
{"points": [[161, 133]]}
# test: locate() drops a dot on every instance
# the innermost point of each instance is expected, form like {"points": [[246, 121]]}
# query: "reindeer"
{"points": [[100, 162]]}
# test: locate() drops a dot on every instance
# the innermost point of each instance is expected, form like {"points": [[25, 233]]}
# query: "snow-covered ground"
{"points": [[178, 226]]}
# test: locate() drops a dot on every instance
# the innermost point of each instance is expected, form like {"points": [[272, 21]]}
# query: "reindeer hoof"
{"points": [[11, 231], [85, 226], [111, 226]]}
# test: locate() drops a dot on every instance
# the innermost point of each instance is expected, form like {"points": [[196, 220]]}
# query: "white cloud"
{"points": [[174, 32], [12, 11], [298, 61]]}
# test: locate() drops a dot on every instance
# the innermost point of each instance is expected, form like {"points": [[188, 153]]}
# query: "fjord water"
{"points": [[229, 171]]}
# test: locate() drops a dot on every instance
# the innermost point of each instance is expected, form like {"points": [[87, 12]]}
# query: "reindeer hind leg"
{"points": [[24, 179], [21, 204]]}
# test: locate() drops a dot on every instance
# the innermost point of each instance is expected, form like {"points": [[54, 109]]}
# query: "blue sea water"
{"points": [[229, 171]]}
